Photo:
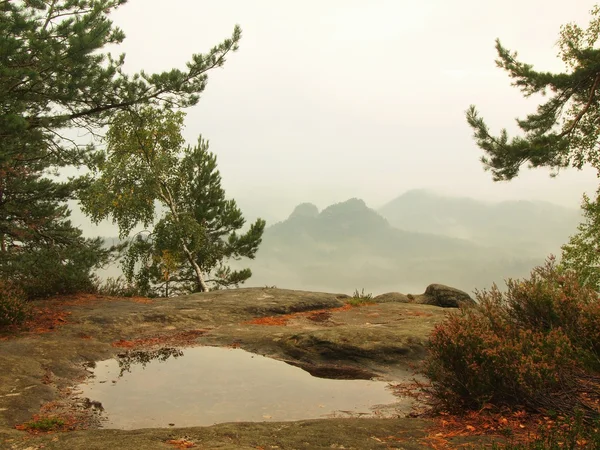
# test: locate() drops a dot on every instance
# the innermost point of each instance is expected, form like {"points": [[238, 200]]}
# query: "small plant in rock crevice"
{"points": [[360, 298], [44, 424]]}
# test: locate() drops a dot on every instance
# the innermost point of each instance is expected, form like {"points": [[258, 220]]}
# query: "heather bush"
{"points": [[477, 356], [554, 299], [117, 287], [13, 309], [589, 334], [527, 347]]}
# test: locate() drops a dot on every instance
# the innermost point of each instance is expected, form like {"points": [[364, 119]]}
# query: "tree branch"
{"points": [[583, 111]]}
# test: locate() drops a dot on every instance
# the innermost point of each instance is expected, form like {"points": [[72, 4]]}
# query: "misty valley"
{"points": [[416, 239]]}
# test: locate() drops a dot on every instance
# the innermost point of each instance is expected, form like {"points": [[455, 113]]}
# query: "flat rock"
{"points": [[392, 297], [382, 339]]}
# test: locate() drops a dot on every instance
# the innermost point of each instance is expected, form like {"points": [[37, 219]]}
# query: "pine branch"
{"points": [[583, 111]]}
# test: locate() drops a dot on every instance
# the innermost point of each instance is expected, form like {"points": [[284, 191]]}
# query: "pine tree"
{"points": [[564, 131], [146, 162], [582, 253], [55, 76]]}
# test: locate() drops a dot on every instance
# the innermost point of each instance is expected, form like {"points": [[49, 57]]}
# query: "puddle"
{"points": [[207, 385]]}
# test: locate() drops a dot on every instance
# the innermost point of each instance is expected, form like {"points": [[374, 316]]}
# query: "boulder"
{"points": [[444, 296], [392, 297]]}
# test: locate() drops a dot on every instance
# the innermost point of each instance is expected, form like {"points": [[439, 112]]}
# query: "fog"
{"points": [[414, 240], [328, 101]]}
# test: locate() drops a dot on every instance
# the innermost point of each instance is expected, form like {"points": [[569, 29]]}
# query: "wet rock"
{"points": [[334, 371], [352, 343], [444, 296], [383, 339]]}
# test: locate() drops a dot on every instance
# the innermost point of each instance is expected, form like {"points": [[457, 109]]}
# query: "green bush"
{"points": [[45, 424], [56, 270], [526, 347], [13, 309]]}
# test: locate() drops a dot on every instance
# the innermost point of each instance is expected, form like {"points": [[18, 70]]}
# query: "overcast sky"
{"points": [[332, 99]]}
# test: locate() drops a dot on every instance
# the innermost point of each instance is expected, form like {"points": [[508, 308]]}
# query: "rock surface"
{"points": [[317, 332], [444, 296], [435, 295], [392, 297]]}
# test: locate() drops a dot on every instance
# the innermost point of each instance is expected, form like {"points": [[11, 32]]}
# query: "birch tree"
{"points": [[148, 176]]}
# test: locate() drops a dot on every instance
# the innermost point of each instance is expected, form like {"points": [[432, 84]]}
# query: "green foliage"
{"points": [[360, 298], [146, 164], [582, 253], [54, 76], [13, 309], [45, 424], [526, 347], [362, 295], [59, 269], [564, 131], [141, 154]]}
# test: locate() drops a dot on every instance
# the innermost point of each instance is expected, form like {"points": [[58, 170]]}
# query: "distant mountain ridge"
{"points": [[349, 245], [351, 226], [530, 226], [415, 240]]}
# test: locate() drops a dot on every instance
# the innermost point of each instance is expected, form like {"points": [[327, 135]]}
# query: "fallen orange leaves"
{"points": [[45, 320], [181, 443], [283, 319], [521, 426], [51, 314], [55, 424]]}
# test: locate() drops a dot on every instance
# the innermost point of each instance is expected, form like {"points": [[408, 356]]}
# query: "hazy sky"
{"points": [[332, 99]]}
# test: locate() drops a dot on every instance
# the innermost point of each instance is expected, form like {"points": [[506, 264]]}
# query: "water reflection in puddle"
{"points": [[208, 385]]}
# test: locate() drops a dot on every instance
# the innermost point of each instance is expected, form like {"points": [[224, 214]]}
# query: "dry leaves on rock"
{"points": [[182, 443]]}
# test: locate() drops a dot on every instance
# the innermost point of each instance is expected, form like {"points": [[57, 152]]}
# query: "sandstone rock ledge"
{"points": [[319, 334]]}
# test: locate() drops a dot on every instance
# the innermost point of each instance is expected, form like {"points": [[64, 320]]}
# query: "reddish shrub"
{"points": [[527, 347], [477, 356]]}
